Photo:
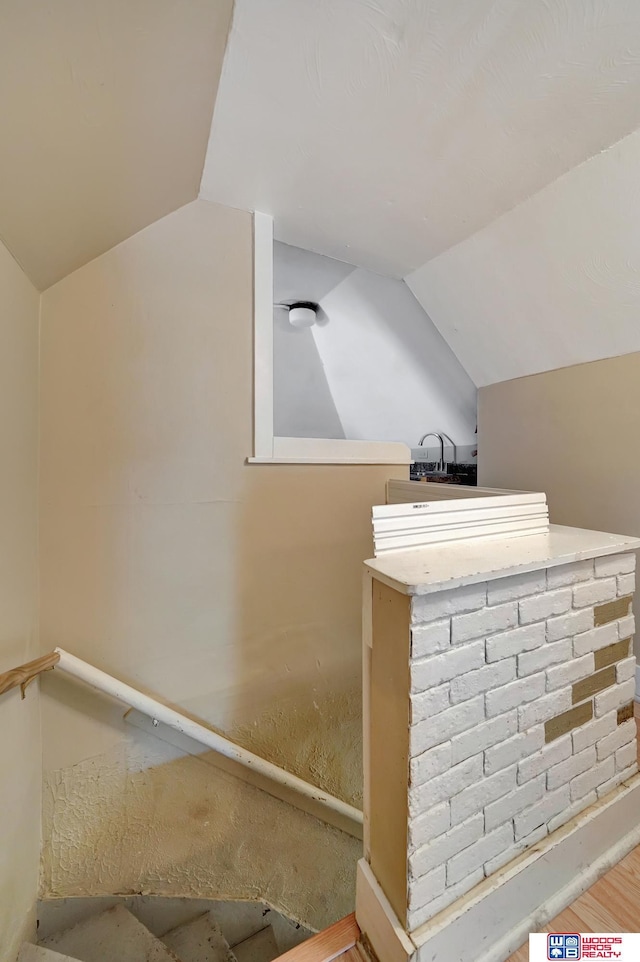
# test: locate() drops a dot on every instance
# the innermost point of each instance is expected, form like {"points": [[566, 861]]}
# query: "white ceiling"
{"points": [[105, 110], [553, 283], [383, 132]]}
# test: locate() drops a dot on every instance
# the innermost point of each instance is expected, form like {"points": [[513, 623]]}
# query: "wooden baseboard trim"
{"points": [[326, 945]]}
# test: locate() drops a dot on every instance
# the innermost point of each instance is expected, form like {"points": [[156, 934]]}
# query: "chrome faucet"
{"points": [[441, 436], [432, 434]]}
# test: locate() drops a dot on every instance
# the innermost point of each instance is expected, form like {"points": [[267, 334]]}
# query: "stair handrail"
{"points": [[23, 675], [159, 712]]}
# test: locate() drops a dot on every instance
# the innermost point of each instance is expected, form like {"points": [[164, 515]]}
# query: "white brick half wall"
{"points": [[521, 717]]}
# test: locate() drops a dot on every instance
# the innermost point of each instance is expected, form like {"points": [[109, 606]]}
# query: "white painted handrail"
{"points": [[103, 682]]}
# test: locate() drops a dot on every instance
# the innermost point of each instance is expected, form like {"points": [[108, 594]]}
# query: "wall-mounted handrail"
{"points": [[159, 712], [24, 674]]}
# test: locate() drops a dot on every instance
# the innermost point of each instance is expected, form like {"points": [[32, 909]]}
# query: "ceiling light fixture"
{"points": [[301, 313]]}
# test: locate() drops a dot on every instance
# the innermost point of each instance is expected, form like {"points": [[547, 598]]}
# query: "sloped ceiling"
{"points": [[383, 132], [552, 283], [105, 111]]}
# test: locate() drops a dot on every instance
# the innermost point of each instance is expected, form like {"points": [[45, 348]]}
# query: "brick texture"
{"points": [[520, 718]]}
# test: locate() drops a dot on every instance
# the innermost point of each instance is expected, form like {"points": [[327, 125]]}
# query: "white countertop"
{"points": [[421, 571]]}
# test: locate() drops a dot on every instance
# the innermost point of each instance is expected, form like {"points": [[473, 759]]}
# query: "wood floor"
{"points": [[611, 905]]}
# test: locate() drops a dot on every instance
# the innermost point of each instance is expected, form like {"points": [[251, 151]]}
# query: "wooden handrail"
{"points": [[24, 674], [326, 945]]}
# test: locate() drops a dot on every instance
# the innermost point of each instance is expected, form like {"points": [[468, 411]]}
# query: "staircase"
{"points": [[116, 935]]}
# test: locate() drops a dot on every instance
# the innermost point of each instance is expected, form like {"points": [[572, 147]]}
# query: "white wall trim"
{"points": [[397, 527], [521, 898], [262, 335], [268, 449]]}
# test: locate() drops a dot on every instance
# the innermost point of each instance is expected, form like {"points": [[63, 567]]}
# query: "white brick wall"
{"points": [[430, 824], [476, 855], [571, 671], [626, 756], [482, 737], [514, 850], [545, 605], [510, 643], [430, 672], [505, 808], [428, 764], [617, 564], [514, 694], [595, 639], [532, 818], [426, 889], [615, 697], [514, 749], [626, 669], [484, 622], [417, 917], [565, 626], [516, 587], [433, 731], [595, 592], [426, 704], [551, 654], [481, 793], [593, 731], [626, 585], [569, 574], [576, 765], [428, 639], [446, 785], [617, 779], [544, 708], [588, 781], [542, 761], [483, 679], [574, 809], [439, 852], [626, 627], [622, 735], [444, 604], [491, 664]]}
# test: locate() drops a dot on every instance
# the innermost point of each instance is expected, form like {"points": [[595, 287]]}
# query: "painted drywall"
{"points": [[384, 133], [380, 370], [230, 590], [105, 108], [20, 746], [139, 820], [555, 282], [574, 433], [302, 403]]}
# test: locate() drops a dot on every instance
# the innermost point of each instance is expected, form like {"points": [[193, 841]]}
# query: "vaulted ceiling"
{"points": [[383, 132], [105, 110], [444, 141]]}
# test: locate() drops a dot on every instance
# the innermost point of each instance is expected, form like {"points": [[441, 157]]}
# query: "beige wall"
{"points": [[20, 752], [106, 108], [574, 433], [232, 590]]}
